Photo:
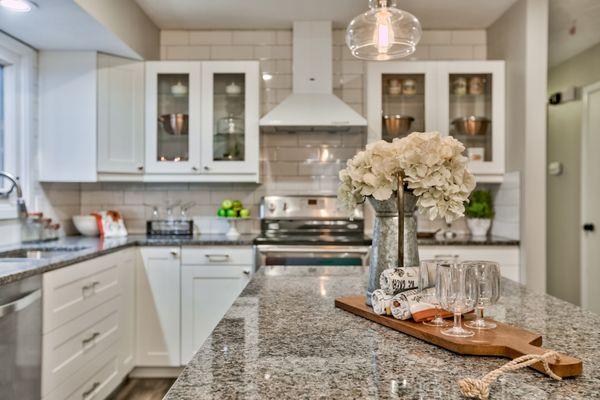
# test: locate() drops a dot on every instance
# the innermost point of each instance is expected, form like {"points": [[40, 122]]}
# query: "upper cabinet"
{"points": [[464, 99], [230, 117], [173, 117]]}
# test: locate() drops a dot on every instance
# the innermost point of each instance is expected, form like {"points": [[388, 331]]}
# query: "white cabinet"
{"points": [[90, 110], [157, 307], [120, 115], [209, 286], [506, 256], [230, 99], [465, 99], [87, 345], [173, 117]]}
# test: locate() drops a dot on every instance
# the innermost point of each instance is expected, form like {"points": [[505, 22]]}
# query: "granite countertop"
{"points": [[283, 339], [466, 240], [90, 247]]}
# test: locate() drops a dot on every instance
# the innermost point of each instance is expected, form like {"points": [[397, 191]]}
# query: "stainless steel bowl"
{"points": [[174, 124], [397, 125], [471, 125]]}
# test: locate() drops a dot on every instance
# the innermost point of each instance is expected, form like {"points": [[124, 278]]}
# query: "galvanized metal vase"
{"points": [[385, 248]]}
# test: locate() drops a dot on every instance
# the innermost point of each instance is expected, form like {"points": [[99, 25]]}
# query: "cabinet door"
{"points": [[471, 95], [230, 117], [120, 115], [157, 306], [400, 99], [127, 341], [207, 292], [173, 117]]}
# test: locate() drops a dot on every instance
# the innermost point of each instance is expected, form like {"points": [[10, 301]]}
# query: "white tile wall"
{"points": [[290, 163]]}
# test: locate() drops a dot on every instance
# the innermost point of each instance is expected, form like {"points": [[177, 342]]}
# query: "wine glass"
{"points": [[488, 279], [456, 289], [427, 279]]}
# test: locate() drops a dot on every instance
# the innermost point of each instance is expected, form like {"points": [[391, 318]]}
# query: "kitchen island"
{"points": [[283, 339]]}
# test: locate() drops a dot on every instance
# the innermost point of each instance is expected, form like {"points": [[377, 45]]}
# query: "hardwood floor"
{"points": [[143, 389]]}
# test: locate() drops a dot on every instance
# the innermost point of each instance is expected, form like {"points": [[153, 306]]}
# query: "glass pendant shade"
{"points": [[383, 33]]}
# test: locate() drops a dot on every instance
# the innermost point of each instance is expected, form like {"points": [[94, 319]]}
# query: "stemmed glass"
{"points": [[488, 282], [457, 290], [427, 279]]}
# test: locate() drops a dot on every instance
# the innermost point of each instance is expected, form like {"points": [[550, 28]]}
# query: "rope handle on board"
{"points": [[480, 388]]}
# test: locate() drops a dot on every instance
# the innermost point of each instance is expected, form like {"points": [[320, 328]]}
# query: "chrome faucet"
{"points": [[21, 207]]}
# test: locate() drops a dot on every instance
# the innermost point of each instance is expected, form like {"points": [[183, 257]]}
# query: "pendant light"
{"points": [[383, 33]]}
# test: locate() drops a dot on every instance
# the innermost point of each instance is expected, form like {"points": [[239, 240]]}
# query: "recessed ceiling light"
{"points": [[17, 5]]}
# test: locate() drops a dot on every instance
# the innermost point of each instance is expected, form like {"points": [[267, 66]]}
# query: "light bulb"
{"points": [[16, 5], [384, 33]]}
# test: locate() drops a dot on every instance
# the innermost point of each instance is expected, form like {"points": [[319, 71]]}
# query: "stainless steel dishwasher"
{"points": [[21, 339]]}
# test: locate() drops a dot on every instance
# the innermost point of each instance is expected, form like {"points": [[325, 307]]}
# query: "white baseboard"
{"points": [[155, 372]]}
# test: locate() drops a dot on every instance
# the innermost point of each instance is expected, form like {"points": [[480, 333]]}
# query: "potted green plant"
{"points": [[479, 212]]}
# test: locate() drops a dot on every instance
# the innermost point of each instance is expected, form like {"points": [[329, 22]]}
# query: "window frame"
{"points": [[20, 63]]}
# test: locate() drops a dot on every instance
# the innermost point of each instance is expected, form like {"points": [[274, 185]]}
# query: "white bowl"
{"points": [[86, 225]]}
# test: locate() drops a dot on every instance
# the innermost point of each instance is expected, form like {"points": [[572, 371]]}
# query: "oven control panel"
{"points": [[303, 207]]}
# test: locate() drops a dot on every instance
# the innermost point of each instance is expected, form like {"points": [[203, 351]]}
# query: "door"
{"points": [[207, 292], [471, 108], [590, 198], [230, 117], [400, 98], [120, 115], [173, 117], [157, 307]]}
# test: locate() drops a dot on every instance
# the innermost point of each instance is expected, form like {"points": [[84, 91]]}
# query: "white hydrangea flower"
{"points": [[434, 170]]}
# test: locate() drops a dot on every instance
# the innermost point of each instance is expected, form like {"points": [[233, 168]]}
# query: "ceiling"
{"points": [[61, 24], [584, 15], [279, 14]]}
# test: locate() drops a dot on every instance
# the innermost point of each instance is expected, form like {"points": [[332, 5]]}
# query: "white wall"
{"points": [[520, 37]]}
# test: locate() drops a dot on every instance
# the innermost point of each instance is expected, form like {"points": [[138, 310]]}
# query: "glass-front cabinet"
{"points": [[173, 117], [230, 117], [464, 99]]}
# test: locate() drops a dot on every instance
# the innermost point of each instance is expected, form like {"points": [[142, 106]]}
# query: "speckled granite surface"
{"points": [[469, 241], [283, 339], [14, 269]]}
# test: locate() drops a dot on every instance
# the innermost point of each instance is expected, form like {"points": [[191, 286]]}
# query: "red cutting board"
{"points": [[504, 341]]}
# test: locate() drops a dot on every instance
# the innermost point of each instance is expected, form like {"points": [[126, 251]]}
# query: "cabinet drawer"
{"points": [[75, 344], [224, 255], [72, 291], [94, 382]]}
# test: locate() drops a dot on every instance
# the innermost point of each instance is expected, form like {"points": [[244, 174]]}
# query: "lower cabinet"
{"points": [[158, 305], [207, 292], [87, 342], [506, 256]]}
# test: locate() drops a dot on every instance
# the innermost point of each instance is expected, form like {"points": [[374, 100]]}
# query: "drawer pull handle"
{"points": [[91, 286], [87, 393], [246, 272], [217, 257], [91, 338]]}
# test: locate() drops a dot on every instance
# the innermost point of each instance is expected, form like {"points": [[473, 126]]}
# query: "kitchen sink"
{"points": [[37, 253]]}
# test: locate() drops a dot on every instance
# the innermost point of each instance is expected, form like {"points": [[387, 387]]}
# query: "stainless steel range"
{"points": [[310, 231]]}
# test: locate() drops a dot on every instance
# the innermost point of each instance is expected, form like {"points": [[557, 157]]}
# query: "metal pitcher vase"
{"points": [[388, 246]]}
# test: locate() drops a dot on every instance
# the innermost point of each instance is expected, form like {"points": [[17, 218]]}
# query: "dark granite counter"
{"points": [[468, 241], [13, 269], [283, 339]]}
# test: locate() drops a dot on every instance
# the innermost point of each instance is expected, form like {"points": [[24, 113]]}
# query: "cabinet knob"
{"points": [[141, 168], [206, 168], [246, 272], [589, 227], [194, 169], [174, 253]]}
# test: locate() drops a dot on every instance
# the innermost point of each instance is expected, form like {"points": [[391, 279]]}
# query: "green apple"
{"points": [[222, 212], [237, 205], [244, 213], [231, 213], [226, 204]]}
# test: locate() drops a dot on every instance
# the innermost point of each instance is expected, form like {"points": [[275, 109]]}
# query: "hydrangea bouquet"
{"points": [[433, 169]]}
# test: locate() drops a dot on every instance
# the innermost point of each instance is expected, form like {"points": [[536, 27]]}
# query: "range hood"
{"points": [[312, 106]]}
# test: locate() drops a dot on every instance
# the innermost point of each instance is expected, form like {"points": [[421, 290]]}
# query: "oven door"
{"points": [[327, 256]]}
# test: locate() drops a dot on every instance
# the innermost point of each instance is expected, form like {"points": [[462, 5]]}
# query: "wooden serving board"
{"points": [[504, 341]]}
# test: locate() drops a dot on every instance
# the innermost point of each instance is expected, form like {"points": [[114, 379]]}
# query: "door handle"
{"points": [[91, 338], [87, 393], [589, 227], [20, 303]]}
